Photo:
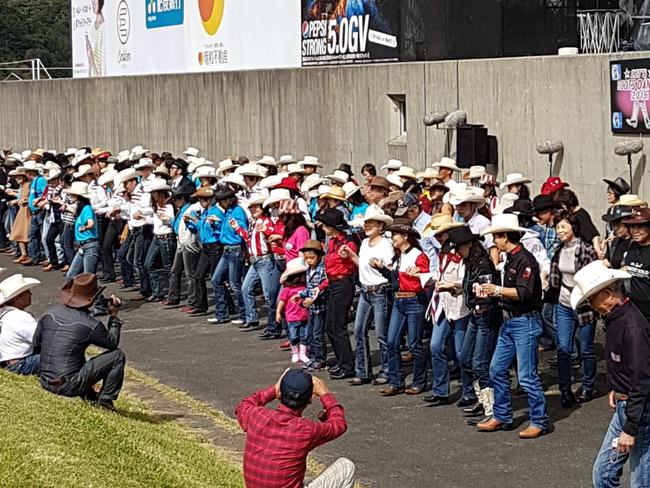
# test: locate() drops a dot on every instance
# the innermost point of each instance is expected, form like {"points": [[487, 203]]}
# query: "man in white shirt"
{"points": [[410, 207], [17, 327]]}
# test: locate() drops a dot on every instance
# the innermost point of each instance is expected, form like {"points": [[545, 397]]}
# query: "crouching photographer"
{"points": [[63, 334]]}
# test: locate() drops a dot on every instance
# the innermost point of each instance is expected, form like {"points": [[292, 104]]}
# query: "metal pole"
{"points": [[33, 69], [629, 163], [550, 165]]}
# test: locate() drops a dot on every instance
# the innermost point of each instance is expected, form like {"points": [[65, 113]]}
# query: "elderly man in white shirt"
{"points": [[17, 326]]}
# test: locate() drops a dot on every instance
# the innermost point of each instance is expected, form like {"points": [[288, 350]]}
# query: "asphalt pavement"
{"points": [[395, 442]]}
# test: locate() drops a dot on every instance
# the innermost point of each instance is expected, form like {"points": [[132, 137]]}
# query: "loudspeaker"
{"points": [[493, 150], [471, 146]]}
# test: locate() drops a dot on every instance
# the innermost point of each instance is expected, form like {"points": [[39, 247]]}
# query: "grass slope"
{"points": [[46, 441]]}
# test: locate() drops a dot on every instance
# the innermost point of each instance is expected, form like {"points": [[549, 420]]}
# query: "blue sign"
{"points": [[164, 13]]}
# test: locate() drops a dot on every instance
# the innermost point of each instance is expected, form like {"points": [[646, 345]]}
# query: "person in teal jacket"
{"points": [[36, 188]]}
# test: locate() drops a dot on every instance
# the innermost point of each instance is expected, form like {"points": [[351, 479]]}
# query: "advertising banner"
{"points": [[630, 96], [137, 37], [349, 31]]}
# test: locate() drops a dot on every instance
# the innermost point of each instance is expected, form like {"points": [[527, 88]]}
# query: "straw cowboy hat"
{"points": [[192, 151], [81, 291], [631, 201], [225, 165], [311, 161], [203, 192], [251, 169], [474, 173], [503, 223], [374, 212], [277, 195], [593, 278], [294, 267], [392, 164], [145, 163], [335, 193], [314, 246], [84, 169], [268, 161], [107, 177], [427, 174], [440, 223], [447, 163], [14, 285], [514, 179], [78, 188], [339, 176], [406, 172], [158, 185], [350, 188]]}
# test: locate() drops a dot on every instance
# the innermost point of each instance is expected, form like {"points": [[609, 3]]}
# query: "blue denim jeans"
{"points": [[478, 346], [85, 260], [44, 231], [375, 306], [609, 462], [138, 251], [27, 366], [518, 339], [265, 272], [407, 313], [126, 261], [316, 336], [35, 231], [440, 355], [159, 277], [298, 333], [67, 242], [566, 323], [230, 267], [549, 334]]}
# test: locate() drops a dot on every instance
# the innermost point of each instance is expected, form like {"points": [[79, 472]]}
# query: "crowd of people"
{"points": [[486, 279]]}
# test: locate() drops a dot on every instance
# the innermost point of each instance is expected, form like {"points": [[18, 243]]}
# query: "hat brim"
{"points": [[446, 228], [403, 229], [473, 199], [516, 181], [310, 163], [68, 298], [502, 230], [619, 189], [638, 220], [543, 208], [291, 272], [320, 251], [578, 298], [29, 284], [469, 238], [387, 220], [333, 197], [272, 200], [446, 166]]}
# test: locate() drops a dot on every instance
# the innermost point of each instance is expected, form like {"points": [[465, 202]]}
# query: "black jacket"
{"points": [[627, 352], [62, 336]]}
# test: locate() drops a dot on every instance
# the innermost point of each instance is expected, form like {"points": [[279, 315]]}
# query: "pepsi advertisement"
{"points": [[350, 31], [630, 96]]}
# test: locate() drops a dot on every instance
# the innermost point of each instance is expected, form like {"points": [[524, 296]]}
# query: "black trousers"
{"points": [[336, 321], [109, 243], [208, 259], [184, 260], [107, 368], [53, 231]]}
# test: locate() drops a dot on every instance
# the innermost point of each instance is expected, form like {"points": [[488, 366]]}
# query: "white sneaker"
{"points": [[237, 322], [295, 356], [302, 354]]}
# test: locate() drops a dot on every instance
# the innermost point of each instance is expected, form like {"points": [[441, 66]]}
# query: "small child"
{"points": [[315, 299], [289, 302]]}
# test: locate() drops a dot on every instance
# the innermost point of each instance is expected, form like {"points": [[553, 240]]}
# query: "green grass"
{"points": [[46, 441]]}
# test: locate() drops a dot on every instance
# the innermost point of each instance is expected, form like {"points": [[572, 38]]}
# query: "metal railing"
{"points": [[29, 69]]}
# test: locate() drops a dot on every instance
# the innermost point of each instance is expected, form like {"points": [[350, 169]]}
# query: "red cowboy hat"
{"points": [[288, 184], [553, 184]]}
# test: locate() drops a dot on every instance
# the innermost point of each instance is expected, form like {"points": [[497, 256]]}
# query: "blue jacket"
{"points": [[36, 189], [177, 220], [208, 233], [228, 236]]}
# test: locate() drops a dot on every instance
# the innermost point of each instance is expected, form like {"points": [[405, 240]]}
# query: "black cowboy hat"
{"points": [[180, 192], [333, 218], [619, 185], [181, 163], [521, 207], [544, 202], [618, 212], [403, 225], [223, 193], [461, 235]]}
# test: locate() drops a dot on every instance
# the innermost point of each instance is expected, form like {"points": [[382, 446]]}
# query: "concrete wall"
{"points": [[340, 114]]}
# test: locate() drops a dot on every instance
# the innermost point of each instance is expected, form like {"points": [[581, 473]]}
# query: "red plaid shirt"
{"points": [[278, 441]]}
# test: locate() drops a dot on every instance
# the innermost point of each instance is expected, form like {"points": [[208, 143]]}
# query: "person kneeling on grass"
{"points": [[278, 441], [63, 334], [17, 326]]}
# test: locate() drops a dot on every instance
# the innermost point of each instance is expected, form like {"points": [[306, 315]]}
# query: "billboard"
{"points": [[349, 31], [630, 96], [135, 37]]}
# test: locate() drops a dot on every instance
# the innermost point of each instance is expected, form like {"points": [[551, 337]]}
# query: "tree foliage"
{"points": [[36, 29]]}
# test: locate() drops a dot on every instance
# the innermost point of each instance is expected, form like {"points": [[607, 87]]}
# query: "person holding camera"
{"points": [[62, 336]]}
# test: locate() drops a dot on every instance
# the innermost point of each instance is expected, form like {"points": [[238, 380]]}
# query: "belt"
{"points": [[338, 277], [516, 315], [10, 362], [405, 294], [232, 248], [478, 310], [257, 259], [162, 237], [620, 397], [87, 241], [374, 288]]}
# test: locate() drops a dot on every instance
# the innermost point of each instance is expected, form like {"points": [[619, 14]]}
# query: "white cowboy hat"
{"points": [[295, 266], [339, 176], [158, 185], [234, 179], [465, 195], [406, 172], [350, 188], [296, 169], [14, 285], [394, 180], [80, 152], [503, 223], [427, 174], [191, 151], [287, 159], [107, 177], [78, 159], [514, 179], [123, 156], [250, 169], [392, 164], [51, 165], [593, 278], [310, 182], [447, 163], [25, 154], [30, 166], [225, 165], [506, 201], [70, 151], [311, 161], [196, 163], [78, 188], [82, 170], [125, 175], [474, 172], [268, 161], [374, 212], [15, 157], [19, 171], [270, 181], [257, 198], [631, 201], [53, 173], [276, 196], [324, 189], [205, 172], [138, 151], [145, 163]]}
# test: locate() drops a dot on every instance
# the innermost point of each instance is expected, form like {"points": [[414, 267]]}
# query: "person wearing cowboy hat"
{"points": [[391, 166], [341, 272], [178, 176], [63, 334], [54, 225], [620, 240], [517, 183], [377, 189], [521, 300], [262, 270], [637, 259], [231, 264], [225, 167], [17, 326], [489, 183], [409, 206], [37, 184], [290, 306], [446, 169], [126, 207], [86, 233], [376, 297], [358, 204], [335, 198], [467, 204], [252, 174], [311, 165], [187, 249], [338, 178], [627, 348], [615, 189]]}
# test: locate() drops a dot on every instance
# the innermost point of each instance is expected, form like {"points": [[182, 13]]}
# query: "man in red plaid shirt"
{"points": [[278, 441]]}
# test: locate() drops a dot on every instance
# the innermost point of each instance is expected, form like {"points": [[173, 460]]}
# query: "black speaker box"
{"points": [[471, 146]]}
